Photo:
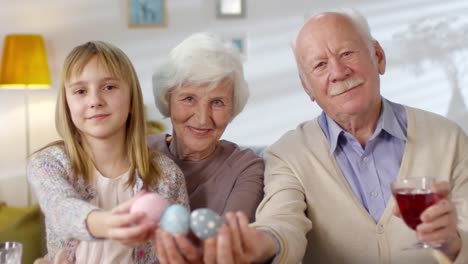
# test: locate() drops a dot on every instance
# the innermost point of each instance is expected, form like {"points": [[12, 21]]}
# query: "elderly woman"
{"points": [[201, 87]]}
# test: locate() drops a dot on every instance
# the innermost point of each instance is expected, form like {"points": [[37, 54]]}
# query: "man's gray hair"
{"points": [[358, 20], [201, 59]]}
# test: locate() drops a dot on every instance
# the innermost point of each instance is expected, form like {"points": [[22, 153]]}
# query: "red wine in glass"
{"points": [[412, 203], [413, 196]]}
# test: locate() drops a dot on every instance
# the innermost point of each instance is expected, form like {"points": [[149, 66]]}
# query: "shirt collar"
{"points": [[390, 121], [334, 132], [387, 121]]}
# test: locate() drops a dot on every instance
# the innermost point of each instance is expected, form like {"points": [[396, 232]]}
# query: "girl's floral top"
{"points": [[64, 199]]}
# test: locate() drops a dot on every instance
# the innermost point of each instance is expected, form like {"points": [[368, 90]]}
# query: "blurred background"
{"points": [[424, 40]]}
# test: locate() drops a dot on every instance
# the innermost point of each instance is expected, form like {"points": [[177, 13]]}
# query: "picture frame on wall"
{"points": [[230, 8], [147, 13], [239, 41]]}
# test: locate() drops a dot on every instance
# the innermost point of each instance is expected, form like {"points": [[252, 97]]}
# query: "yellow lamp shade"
{"points": [[24, 63]]}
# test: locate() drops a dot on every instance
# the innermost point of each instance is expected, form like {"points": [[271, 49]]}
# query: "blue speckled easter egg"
{"points": [[205, 223], [175, 220]]}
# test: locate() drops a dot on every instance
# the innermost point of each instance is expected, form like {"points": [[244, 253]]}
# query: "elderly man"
{"points": [[327, 183]]}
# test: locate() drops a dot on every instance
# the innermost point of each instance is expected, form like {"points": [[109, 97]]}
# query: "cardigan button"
{"points": [[380, 229]]}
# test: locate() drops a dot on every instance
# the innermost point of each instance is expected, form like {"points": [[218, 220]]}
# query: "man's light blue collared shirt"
{"points": [[370, 170]]}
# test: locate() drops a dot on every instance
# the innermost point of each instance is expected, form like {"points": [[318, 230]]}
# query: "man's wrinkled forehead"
{"points": [[327, 27], [328, 21]]}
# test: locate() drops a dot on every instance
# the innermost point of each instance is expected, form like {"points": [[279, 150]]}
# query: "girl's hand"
{"points": [[119, 224], [60, 258]]}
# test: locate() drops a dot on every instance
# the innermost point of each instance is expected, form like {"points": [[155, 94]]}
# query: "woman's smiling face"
{"points": [[199, 115]]}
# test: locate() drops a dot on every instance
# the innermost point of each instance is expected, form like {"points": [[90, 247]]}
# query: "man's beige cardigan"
{"points": [[316, 217]]}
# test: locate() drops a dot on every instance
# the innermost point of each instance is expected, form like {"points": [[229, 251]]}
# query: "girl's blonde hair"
{"points": [[140, 157]]}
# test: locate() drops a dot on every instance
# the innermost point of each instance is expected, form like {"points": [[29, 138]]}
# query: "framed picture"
{"points": [[147, 13], [239, 41], [230, 8]]}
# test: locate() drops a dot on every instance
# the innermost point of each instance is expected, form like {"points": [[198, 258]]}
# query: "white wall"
{"points": [[277, 101]]}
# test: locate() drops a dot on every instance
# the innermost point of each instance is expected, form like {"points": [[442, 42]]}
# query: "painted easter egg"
{"points": [[152, 204], [175, 220], [205, 223]]}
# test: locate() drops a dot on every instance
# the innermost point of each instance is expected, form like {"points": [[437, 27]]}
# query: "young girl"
{"points": [[87, 182]]}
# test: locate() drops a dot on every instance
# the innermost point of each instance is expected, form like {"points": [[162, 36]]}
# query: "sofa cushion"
{"points": [[24, 225]]}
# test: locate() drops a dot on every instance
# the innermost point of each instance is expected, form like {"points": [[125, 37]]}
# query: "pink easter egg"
{"points": [[152, 204]]}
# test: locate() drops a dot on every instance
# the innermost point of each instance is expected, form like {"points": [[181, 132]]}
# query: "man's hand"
{"points": [[439, 222]]}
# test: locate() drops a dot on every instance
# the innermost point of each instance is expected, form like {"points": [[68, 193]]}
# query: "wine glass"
{"points": [[413, 196], [11, 252]]}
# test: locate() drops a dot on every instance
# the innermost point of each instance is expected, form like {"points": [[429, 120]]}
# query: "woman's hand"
{"points": [[119, 224], [175, 249], [237, 242]]}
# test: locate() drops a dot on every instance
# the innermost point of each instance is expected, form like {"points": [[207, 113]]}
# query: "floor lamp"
{"points": [[24, 66]]}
